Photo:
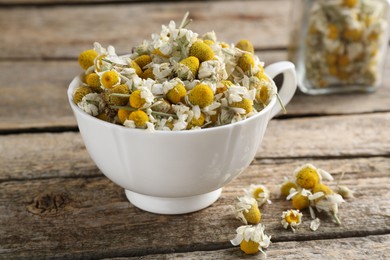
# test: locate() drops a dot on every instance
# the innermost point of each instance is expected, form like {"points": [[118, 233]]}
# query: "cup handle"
{"points": [[289, 85]]}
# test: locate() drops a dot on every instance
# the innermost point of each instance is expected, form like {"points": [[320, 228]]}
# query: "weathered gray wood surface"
{"points": [[91, 217], [55, 203], [65, 30], [370, 247]]}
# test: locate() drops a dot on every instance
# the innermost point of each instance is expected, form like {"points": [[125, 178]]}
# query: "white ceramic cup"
{"points": [[182, 171]]}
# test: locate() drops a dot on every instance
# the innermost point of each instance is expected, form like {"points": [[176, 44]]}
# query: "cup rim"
{"points": [[78, 110]]}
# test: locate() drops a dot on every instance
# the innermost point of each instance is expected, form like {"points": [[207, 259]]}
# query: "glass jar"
{"points": [[339, 45]]}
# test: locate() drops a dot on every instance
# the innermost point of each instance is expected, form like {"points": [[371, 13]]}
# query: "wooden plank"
{"points": [[65, 31], [371, 247], [354, 135], [50, 109], [32, 155], [91, 218]]}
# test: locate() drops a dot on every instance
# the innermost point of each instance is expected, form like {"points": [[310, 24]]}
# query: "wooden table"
{"points": [[55, 203]]}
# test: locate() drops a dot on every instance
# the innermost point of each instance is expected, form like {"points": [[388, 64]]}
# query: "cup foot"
{"points": [[171, 206]]}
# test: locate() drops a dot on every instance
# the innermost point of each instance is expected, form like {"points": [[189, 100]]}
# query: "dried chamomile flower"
{"points": [[147, 74], [196, 121], [92, 104], [136, 101], [247, 210], [202, 51], [80, 92], [299, 199], [251, 239], [187, 68], [291, 218], [259, 192], [307, 176], [109, 78], [286, 187], [245, 45], [201, 95], [222, 86], [139, 117], [319, 187], [93, 80], [143, 60], [245, 104], [86, 58], [123, 115], [113, 98], [246, 62], [177, 93]]}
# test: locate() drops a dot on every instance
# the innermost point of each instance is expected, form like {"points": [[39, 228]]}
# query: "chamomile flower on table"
{"points": [[259, 192], [291, 218], [251, 239], [247, 210]]}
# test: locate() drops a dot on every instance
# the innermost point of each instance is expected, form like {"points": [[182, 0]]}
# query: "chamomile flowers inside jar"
{"points": [[339, 45]]}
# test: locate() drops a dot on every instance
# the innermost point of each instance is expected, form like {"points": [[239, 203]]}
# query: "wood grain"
{"points": [[90, 217], [370, 247], [65, 31]]}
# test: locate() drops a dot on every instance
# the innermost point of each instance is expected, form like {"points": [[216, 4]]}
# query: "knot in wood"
{"points": [[48, 203]]}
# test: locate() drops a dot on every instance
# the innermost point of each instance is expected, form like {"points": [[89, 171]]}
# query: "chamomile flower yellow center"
{"points": [[245, 103], [80, 93], [139, 117], [209, 42], [117, 100], [192, 63], [319, 187], [202, 51], [350, 3], [257, 192], [147, 74], [307, 177], [291, 218], [92, 80], [300, 201], [159, 53], [109, 79], [201, 95], [177, 93], [262, 94], [245, 62], [245, 45], [104, 117], [286, 187], [253, 215], [136, 101], [249, 247], [137, 68], [222, 86], [123, 115], [196, 121], [333, 31], [143, 60], [86, 58]]}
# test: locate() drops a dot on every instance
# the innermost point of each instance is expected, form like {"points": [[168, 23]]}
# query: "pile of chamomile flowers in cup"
{"points": [[306, 190], [176, 81]]}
